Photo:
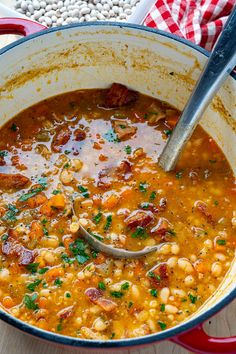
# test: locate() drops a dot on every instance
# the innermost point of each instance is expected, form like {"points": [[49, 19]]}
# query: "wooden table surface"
{"points": [[13, 341]]}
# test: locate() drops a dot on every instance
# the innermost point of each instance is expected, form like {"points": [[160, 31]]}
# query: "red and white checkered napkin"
{"points": [[199, 21]]}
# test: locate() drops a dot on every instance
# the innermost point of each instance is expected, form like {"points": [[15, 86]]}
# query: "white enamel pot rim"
{"points": [[171, 333]]}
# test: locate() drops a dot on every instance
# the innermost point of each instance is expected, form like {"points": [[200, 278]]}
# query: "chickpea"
{"points": [[189, 280], [74, 227], [175, 249], [172, 261]]}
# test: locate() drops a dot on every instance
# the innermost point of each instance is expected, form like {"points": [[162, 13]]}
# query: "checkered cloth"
{"points": [[199, 21]]}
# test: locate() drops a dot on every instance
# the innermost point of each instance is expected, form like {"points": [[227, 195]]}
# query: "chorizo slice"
{"points": [[79, 134], [12, 247], [96, 296], [65, 313], [104, 180], [159, 276], [60, 138], [119, 95], [123, 129], [203, 209], [10, 182], [124, 170], [139, 218]]}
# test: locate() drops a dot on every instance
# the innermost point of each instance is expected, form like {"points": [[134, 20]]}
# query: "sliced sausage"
{"points": [[60, 139], [119, 95], [65, 313], [203, 209], [123, 129], [10, 182], [96, 296], [139, 218], [79, 134], [159, 276], [104, 179], [124, 170], [12, 247], [162, 227]]}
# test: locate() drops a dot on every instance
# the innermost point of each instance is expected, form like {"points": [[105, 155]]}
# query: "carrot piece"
{"points": [[111, 201], [54, 273], [58, 201], [100, 259], [43, 301], [200, 266], [37, 200], [8, 302], [36, 230], [126, 193]]}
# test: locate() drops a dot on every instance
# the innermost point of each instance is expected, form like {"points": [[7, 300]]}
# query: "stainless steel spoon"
{"points": [[220, 64], [99, 246]]}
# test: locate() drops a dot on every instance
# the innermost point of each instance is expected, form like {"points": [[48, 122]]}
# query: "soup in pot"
{"points": [[90, 158]]}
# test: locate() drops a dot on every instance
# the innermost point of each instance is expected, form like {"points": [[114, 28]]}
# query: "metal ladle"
{"points": [[218, 67]]}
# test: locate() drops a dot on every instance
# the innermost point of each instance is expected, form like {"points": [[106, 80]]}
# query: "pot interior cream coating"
{"points": [[94, 57]]}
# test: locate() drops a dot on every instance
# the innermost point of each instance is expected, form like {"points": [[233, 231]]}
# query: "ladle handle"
{"points": [[218, 67]]}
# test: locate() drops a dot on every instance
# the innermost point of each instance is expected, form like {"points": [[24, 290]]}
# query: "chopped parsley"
{"points": [[130, 304], [168, 132], [128, 149], [59, 327], [84, 191], [151, 274], [111, 136], [125, 286], [43, 181], [101, 285], [4, 237], [192, 298], [143, 187], [14, 127], [212, 161], [140, 233], [33, 286], [221, 242], [216, 202], [153, 292], [97, 218], [77, 248], [33, 267], [29, 302], [68, 295], [112, 335], [179, 174], [162, 307], [56, 191], [58, 282], [152, 196], [162, 325], [67, 259], [3, 153], [45, 231], [117, 294], [31, 194], [171, 232], [145, 205], [10, 215], [108, 222], [43, 270]]}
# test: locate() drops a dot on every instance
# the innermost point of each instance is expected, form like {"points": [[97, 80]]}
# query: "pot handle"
{"points": [[19, 26], [199, 342]]}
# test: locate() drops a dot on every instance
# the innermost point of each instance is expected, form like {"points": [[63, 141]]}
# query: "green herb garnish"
{"points": [[192, 298], [101, 285], [162, 307], [10, 215], [153, 292], [56, 191], [14, 127], [125, 286], [84, 191], [108, 222], [77, 248], [29, 302], [143, 187], [140, 233], [58, 282], [111, 136], [97, 218], [33, 286], [221, 242], [128, 149], [3, 153], [130, 304], [117, 294], [43, 270], [152, 196], [33, 267], [31, 194], [162, 325]]}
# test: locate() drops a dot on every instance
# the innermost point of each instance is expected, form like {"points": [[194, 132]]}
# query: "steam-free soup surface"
{"points": [[90, 158]]}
